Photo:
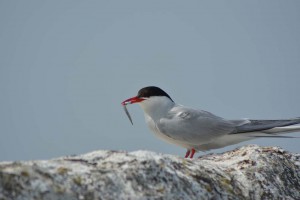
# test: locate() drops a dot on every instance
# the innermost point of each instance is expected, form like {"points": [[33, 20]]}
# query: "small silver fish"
{"points": [[127, 113]]}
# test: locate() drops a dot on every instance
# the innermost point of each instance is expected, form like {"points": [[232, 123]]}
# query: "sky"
{"points": [[66, 66]]}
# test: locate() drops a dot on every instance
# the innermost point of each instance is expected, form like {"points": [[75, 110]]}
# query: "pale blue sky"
{"points": [[66, 66]]}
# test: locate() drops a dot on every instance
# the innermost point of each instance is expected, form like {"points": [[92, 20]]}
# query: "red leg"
{"points": [[193, 152], [187, 154]]}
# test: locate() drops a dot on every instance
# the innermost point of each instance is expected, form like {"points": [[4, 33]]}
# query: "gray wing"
{"points": [[262, 125], [252, 129], [194, 126]]}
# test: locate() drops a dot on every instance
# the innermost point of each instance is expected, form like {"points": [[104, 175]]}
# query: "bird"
{"points": [[199, 130]]}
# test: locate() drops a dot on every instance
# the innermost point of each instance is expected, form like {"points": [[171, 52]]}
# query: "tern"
{"points": [[199, 130]]}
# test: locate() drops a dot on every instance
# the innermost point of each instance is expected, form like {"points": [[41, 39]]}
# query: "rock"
{"points": [[250, 172]]}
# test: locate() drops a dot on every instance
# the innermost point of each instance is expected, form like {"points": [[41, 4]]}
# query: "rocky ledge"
{"points": [[249, 172]]}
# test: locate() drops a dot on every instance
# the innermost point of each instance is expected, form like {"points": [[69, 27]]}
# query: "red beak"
{"points": [[132, 100]]}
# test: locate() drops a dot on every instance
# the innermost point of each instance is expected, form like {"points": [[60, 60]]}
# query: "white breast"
{"points": [[151, 124]]}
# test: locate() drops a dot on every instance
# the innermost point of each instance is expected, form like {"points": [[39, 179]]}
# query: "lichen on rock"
{"points": [[249, 172]]}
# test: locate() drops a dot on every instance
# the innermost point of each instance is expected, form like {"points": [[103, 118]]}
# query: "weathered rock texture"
{"points": [[250, 172]]}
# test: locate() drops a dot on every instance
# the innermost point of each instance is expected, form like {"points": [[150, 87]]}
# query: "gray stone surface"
{"points": [[250, 172]]}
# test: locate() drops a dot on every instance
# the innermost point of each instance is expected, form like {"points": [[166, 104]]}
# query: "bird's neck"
{"points": [[157, 107]]}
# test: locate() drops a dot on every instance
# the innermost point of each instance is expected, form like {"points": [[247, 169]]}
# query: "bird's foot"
{"points": [[187, 153], [190, 153]]}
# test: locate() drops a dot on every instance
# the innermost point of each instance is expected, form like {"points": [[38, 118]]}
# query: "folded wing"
{"points": [[265, 125]]}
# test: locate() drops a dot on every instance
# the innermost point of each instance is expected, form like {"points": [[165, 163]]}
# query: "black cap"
{"points": [[151, 91]]}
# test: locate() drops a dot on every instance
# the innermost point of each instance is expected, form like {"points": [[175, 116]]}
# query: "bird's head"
{"points": [[148, 93], [152, 100]]}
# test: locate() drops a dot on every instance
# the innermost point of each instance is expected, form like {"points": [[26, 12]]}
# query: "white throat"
{"points": [[157, 107]]}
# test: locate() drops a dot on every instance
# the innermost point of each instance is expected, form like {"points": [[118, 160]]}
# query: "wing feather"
{"points": [[194, 126], [262, 125]]}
